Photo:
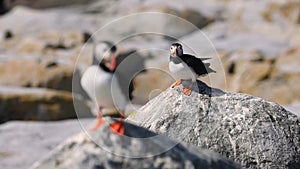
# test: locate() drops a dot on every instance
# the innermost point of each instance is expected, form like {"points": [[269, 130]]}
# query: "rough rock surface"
{"points": [[18, 103], [23, 143], [113, 151], [246, 129]]}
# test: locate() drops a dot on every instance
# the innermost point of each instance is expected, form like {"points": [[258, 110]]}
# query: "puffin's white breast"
{"points": [[181, 71], [102, 89]]}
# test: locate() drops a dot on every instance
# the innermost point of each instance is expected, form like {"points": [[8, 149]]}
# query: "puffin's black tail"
{"points": [[208, 69], [204, 59]]}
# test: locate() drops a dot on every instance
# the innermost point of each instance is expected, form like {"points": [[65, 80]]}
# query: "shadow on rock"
{"points": [[204, 89], [108, 150]]}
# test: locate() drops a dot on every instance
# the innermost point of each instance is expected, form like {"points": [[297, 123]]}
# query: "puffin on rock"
{"points": [[186, 67], [98, 83]]}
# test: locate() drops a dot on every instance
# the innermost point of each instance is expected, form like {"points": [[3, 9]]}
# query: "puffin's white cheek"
{"points": [[106, 56], [173, 51]]}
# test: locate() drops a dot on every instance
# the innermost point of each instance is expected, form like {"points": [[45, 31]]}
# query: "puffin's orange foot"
{"points": [[99, 123], [177, 83], [118, 127], [187, 91]]}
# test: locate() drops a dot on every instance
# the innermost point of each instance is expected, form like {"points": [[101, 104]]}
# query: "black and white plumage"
{"points": [[186, 67], [109, 81], [103, 86], [128, 64], [107, 94], [98, 82]]}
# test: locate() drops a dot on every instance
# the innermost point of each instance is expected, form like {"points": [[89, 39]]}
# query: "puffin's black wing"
{"points": [[195, 64], [129, 64], [123, 56]]}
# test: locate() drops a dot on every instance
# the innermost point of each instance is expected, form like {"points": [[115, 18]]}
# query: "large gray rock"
{"points": [[249, 130], [113, 151]]}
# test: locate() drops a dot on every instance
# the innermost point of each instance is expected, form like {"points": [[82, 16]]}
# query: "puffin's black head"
{"points": [[104, 51], [111, 46], [105, 55], [176, 49]]}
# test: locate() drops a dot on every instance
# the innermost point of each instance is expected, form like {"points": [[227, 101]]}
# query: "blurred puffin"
{"points": [[103, 88], [186, 67]]}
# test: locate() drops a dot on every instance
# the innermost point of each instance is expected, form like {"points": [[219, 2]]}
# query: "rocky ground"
{"points": [[249, 130], [139, 149], [44, 49]]}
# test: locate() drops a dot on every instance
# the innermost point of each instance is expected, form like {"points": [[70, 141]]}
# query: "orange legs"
{"points": [[177, 83], [188, 90], [116, 127], [113, 64], [99, 122]]}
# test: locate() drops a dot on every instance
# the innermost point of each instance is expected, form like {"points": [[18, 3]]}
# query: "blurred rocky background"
{"points": [[257, 52]]}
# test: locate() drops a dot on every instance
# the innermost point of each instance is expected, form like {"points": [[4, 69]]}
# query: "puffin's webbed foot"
{"points": [[100, 120], [188, 90], [177, 83], [98, 124], [118, 127]]}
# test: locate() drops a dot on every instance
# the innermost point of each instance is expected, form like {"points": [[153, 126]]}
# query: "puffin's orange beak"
{"points": [[113, 63]]}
